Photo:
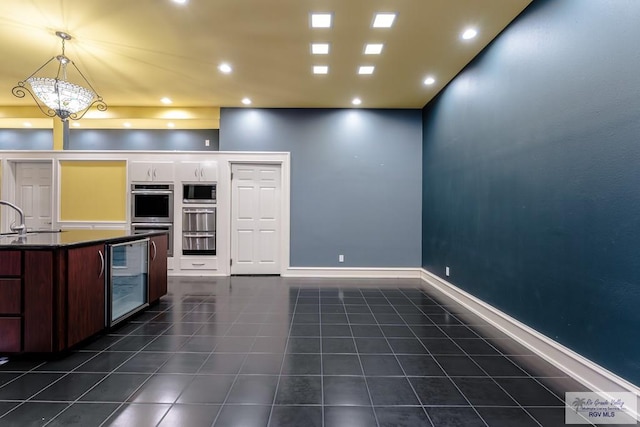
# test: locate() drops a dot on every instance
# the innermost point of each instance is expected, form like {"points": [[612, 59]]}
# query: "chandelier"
{"points": [[60, 97]]}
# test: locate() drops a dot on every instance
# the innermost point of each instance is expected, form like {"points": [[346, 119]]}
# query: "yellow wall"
{"points": [[93, 190]]}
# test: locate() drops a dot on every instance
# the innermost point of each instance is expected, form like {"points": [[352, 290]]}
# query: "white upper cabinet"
{"points": [[151, 171], [198, 171]]}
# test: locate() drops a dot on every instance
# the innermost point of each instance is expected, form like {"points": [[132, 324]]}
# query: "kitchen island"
{"points": [[55, 286]]}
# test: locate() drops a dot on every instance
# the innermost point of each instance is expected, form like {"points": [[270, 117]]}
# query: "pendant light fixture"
{"points": [[60, 97]]}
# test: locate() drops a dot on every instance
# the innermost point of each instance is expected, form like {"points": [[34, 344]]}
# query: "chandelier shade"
{"points": [[60, 97]]}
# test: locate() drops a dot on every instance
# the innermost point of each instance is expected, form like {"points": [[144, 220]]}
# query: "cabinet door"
{"points": [[10, 262], [10, 296], [189, 171], [10, 331], [209, 171], [157, 267], [140, 171], [85, 292], [162, 171]]}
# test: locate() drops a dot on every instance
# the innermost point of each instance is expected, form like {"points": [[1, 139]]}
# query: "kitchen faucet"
{"points": [[20, 228]]}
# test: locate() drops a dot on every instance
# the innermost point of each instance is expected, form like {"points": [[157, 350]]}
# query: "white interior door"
{"points": [[255, 219], [33, 193]]}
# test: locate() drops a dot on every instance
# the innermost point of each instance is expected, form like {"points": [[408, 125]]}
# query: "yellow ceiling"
{"points": [[134, 52]]}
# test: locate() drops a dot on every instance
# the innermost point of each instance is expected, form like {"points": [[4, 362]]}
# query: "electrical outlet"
{"points": [[446, 271], [340, 258], [206, 142]]}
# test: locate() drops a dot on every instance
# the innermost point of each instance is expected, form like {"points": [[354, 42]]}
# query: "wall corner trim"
{"points": [[590, 374], [354, 272]]}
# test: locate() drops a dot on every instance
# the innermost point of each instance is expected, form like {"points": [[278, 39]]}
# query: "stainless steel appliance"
{"points": [[199, 193], [152, 203], [199, 231], [128, 279], [138, 228]]}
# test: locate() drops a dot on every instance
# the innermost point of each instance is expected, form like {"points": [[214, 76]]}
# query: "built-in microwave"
{"points": [[199, 193]]}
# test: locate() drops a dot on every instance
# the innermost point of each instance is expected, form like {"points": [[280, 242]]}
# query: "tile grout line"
{"points": [[366, 383], [284, 355], [436, 360], [406, 377], [194, 374], [478, 365], [500, 353], [239, 369]]}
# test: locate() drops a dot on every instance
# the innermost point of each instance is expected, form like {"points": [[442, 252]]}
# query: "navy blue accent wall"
{"points": [[143, 139], [26, 139], [531, 174], [355, 180]]}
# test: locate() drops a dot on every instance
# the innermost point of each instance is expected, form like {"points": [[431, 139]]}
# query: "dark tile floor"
{"points": [[256, 351]]}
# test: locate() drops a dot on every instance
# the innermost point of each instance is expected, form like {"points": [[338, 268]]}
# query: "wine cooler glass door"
{"points": [[128, 279]]}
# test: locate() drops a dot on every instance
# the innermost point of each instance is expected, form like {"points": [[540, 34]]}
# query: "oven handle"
{"points": [[197, 235], [197, 211], [162, 225], [151, 192]]}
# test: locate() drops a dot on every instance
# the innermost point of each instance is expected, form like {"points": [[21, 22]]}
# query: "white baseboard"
{"points": [[356, 273], [592, 375]]}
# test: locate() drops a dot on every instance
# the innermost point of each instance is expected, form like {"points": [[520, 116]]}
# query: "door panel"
{"points": [[33, 194], [255, 221], [245, 246]]}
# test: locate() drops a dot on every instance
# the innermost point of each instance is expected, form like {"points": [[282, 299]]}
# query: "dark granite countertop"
{"points": [[66, 238]]}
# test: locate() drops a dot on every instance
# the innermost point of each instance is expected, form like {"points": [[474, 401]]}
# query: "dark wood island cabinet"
{"points": [[53, 291]]}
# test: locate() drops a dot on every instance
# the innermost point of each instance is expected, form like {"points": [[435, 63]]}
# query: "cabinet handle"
{"points": [[149, 173], [101, 263], [195, 172], [197, 263], [201, 173], [154, 173], [155, 250]]}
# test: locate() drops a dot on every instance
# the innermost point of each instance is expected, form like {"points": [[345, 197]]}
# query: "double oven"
{"points": [[152, 209], [199, 219]]}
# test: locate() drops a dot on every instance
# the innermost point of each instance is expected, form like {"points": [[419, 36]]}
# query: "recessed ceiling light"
{"points": [[246, 101], [469, 33], [321, 20], [320, 69], [171, 125], [366, 69], [429, 80], [384, 20], [179, 1], [126, 124], [225, 68], [356, 101], [320, 48], [373, 49], [166, 100], [27, 124]]}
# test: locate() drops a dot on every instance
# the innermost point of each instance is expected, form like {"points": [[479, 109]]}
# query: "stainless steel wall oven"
{"points": [[199, 231], [152, 209], [151, 203]]}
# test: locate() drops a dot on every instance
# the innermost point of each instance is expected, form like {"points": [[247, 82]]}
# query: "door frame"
{"points": [[10, 182], [285, 205]]}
